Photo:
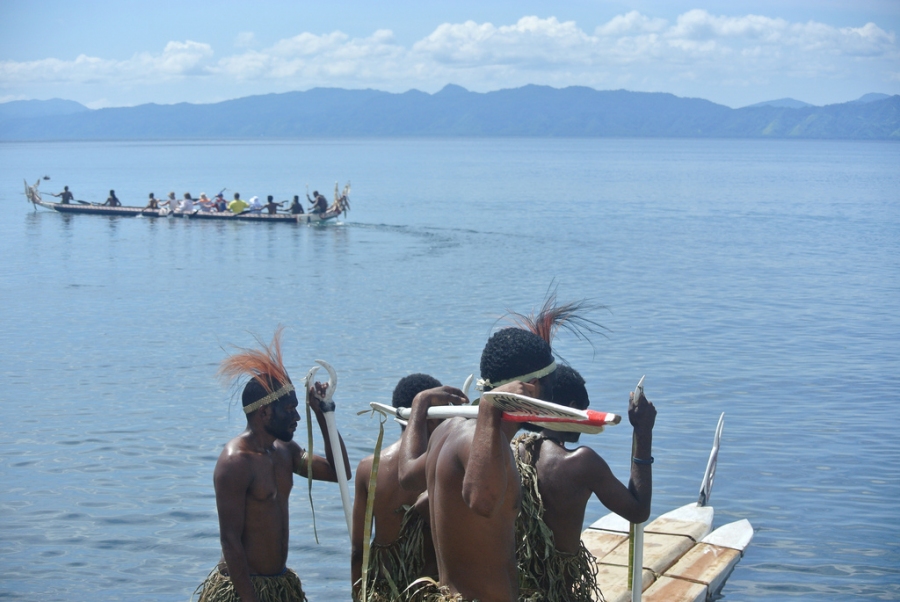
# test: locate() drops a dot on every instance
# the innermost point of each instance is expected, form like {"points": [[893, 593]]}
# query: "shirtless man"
{"points": [[319, 203], [395, 523], [66, 196], [253, 480], [112, 200], [566, 480], [470, 474], [271, 206]]}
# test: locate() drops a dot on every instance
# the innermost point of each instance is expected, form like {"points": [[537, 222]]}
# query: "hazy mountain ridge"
{"points": [[538, 111]]}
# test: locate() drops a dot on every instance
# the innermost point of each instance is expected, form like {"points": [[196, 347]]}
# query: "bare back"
{"points": [[476, 553], [563, 491], [390, 498]]}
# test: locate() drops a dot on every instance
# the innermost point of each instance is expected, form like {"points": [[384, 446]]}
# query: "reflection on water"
{"points": [[755, 278]]}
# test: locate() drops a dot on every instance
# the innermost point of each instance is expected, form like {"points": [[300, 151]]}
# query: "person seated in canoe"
{"points": [[471, 477], [152, 203], [255, 206], [319, 203], [253, 479], [271, 206], [112, 200], [65, 196], [296, 207], [186, 205], [220, 204], [206, 205], [401, 550], [237, 205], [170, 203]]}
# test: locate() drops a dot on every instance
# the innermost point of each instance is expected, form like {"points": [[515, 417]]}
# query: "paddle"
{"points": [[517, 408], [636, 541]]}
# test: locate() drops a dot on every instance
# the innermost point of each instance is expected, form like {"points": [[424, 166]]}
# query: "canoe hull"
{"points": [[683, 561], [303, 218]]}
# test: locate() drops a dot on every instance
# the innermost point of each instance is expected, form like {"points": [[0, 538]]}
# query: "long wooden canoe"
{"points": [[34, 196]]}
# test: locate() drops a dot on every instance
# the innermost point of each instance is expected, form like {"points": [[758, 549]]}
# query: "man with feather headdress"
{"points": [[554, 565], [253, 479], [471, 477]]}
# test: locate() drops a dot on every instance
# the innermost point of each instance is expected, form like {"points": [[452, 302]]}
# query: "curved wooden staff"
{"points": [[339, 468]]}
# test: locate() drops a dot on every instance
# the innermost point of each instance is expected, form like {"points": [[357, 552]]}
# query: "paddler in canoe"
{"points": [[319, 204], [296, 207], [471, 477], [253, 480], [65, 197], [112, 200], [401, 550]]}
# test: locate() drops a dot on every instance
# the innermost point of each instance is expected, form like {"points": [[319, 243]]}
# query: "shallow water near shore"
{"points": [[756, 278]]}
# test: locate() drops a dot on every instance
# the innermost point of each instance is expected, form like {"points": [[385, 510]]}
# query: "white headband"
{"points": [[482, 383]]}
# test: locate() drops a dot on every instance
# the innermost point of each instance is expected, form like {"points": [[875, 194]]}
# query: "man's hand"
{"points": [[316, 395], [440, 396], [641, 413]]}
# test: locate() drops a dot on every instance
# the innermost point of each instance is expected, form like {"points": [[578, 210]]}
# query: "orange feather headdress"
{"points": [[265, 366]]}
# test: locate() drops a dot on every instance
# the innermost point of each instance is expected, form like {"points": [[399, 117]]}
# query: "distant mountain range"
{"points": [[537, 111]]}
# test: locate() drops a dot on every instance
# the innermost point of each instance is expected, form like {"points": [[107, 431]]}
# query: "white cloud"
{"points": [[530, 41], [178, 59], [632, 49], [633, 22]]}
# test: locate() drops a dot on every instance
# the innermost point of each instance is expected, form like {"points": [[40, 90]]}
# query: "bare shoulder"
{"points": [[235, 464], [364, 469], [291, 450], [452, 434]]}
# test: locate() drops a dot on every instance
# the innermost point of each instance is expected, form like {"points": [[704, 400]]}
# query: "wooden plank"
{"points": [[612, 522], [706, 564], [666, 589], [690, 520], [613, 581], [660, 551], [601, 543]]}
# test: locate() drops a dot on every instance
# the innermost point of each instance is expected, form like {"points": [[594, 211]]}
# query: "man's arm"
{"points": [[632, 502], [484, 483], [414, 442], [323, 468], [357, 537], [232, 480], [489, 458]]}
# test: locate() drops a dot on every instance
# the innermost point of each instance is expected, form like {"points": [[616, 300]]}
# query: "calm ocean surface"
{"points": [[756, 278]]}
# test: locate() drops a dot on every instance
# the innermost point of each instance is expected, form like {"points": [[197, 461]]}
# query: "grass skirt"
{"points": [[394, 566], [278, 588], [545, 573], [427, 589]]}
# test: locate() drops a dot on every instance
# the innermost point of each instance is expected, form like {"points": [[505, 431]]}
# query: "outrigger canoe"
{"points": [[337, 209], [683, 558]]}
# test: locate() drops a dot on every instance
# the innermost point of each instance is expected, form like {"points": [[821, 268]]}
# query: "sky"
{"points": [[733, 52]]}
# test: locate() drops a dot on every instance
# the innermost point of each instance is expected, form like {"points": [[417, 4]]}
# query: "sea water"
{"points": [[756, 278]]}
